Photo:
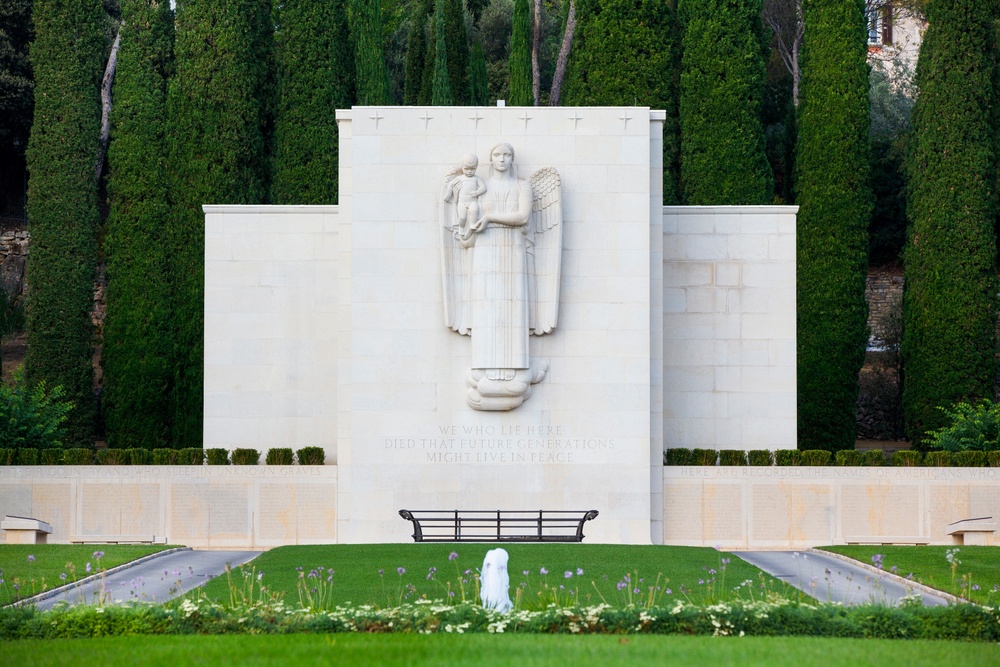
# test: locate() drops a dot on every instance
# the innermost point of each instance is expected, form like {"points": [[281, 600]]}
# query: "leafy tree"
{"points": [[315, 76], [138, 346], [217, 107], [16, 101], [723, 155], [441, 92], [372, 78], [835, 204], [62, 203], [519, 63], [625, 53], [32, 416], [950, 298]]}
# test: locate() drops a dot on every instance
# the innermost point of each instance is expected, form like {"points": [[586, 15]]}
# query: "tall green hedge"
{"points": [[949, 302], [67, 56], [833, 154], [138, 345], [723, 152], [372, 75], [625, 53], [217, 105], [519, 61], [315, 76]]}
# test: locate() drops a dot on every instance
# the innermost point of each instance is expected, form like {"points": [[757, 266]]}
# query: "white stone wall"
{"points": [[729, 375], [271, 290]]}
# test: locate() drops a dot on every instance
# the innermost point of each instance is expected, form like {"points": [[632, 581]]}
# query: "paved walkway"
{"points": [[830, 579], [156, 579]]}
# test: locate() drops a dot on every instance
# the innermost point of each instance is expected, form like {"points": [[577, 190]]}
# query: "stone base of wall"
{"points": [[800, 507], [235, 507]]}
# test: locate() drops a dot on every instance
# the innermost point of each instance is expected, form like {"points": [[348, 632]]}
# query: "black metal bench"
{"points": [[498, 525]]}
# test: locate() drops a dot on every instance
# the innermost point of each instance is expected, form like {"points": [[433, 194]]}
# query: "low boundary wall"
{"points": [[728, 507]]}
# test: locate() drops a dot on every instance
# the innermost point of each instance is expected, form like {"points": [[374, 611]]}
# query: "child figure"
{"points": [[465, 189]]}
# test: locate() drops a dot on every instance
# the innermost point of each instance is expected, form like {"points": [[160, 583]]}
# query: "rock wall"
{"points": [[13, 255]]}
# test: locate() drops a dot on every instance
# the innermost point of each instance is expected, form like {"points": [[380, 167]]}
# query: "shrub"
{"points": [[679, 456], [138, 456], [937, 459], [217, 456], [164, 457], [312, 456], [873, 457], [906, 458], [7, 456], [78, 456], [243, 456], [112, 457], [760, 457], [732, 457], [27, 457], [279, 456], [190, 456], [968, 426], [848, 457], [32, 417], [816, 457], [993, 458], [969, 459], [50, 457], [704, 457], [788, 457]]}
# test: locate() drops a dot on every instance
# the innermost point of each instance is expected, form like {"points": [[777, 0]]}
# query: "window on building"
{"points": [[880, 26]]}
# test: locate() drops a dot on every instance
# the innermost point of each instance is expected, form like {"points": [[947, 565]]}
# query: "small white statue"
{"points": [[495, 590]]}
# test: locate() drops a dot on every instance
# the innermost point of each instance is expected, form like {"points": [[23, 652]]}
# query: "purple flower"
{"points": [[579, 571], [453, 555], [381, 572], [975, 587], [31, 558], [98, 555], [893, 569], [568, 574], [451, 594], [543, 571], [88, 568], [524, 572], [63, 576], [669, 592], [636, 591], [701, 581], [260, 575], [401, 571], [430, 573], [622, 585], [877, 560]]}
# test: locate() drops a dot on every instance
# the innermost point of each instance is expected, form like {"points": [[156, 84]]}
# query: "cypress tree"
{"points": [[427, 80], [441, 95], [479, 94], [835, 205], [416, 51], [625, 53], [137, 345], [217, 108], [316, 75], [372, 78], [949, 301], [723, 152], [519, 62], [67, 56], [457, 41]]}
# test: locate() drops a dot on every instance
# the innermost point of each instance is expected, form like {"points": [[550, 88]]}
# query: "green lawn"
{"points": [[29, 569], [386, 574], [481, 650], [976, 574]]}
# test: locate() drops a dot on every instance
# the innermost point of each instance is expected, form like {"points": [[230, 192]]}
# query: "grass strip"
{"points": [[29, 569], [482, 650], [969, 572]]}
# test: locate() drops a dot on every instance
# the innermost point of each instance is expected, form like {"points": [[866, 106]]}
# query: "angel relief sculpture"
{"points": [[501, 249]]}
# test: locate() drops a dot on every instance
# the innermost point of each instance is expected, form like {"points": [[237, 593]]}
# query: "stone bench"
{"points": [[972, 531], [498, 525], [25, 530], [887, 539], [118, 539]]}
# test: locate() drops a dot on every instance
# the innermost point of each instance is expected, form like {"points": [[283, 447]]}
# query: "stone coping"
{"points": [[772, 473], [203, 471]]}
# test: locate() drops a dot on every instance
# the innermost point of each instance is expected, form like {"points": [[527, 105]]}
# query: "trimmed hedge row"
{"points": [[965, 622], [822, 457], [193, 456]]}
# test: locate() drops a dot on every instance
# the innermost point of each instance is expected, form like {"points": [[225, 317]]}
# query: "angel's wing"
{"points": [[456, 267], [545, 250]]}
